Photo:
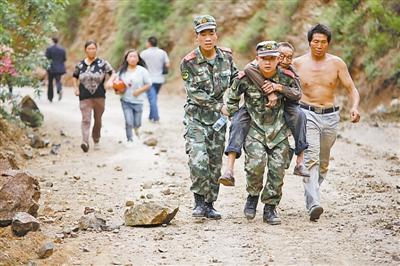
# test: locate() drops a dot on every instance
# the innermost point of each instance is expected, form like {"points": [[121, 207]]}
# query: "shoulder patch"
{"points": [[185, 75], [289, 73], [190, 56], [226, 49]]}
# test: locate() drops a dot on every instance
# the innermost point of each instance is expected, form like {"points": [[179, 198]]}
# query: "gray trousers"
{"points": [[321, 135]]}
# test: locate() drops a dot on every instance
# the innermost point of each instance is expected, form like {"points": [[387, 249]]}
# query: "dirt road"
{"points": [[360, 226]]}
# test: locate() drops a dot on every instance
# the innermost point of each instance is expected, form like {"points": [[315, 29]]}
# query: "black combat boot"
{"points": [[211, 213], [251, 207], [270, 215], [199, 209]]}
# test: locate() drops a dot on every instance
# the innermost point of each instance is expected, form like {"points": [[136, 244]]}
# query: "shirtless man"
{"points": [[320, 73]]}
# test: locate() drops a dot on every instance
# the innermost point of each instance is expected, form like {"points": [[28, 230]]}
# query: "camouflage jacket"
{"points": [[206, 84], [267, 125]]}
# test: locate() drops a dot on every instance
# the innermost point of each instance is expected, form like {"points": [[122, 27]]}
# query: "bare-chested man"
{"points": [[320, 74]]}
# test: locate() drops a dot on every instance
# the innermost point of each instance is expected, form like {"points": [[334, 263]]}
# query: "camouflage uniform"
{"points": [[205, 83], [267, 137]]}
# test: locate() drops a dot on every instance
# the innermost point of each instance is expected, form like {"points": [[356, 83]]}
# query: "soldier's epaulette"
{"points": [[190, 56], [289, 73], [226, 49], [241, 74]]}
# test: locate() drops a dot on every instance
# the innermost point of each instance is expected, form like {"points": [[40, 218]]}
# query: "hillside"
{"points": [[365, 33]]}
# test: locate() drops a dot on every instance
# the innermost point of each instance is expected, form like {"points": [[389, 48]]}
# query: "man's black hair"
{"points": [[55, 39], [153, 41], [319, 28]]}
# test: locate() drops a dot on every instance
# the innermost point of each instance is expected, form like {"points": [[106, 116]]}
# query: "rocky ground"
{"points": [[360, 226]]}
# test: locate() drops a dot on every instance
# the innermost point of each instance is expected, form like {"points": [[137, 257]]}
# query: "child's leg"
{"points": [[238, 130], [137, 117], [128, 115]]}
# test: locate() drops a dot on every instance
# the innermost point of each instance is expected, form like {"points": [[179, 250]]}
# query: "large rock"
{"points": [[19, 192], [30, 113], [23, 222], [149, 214]]}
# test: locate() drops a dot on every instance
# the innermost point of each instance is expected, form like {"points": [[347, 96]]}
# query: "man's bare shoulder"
{"points": [[336, 60]]}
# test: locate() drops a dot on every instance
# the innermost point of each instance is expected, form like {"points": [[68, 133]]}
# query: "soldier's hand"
{"points": [[76, 91], [354, 115], [272, 100], [224, 110], [267, 87]]}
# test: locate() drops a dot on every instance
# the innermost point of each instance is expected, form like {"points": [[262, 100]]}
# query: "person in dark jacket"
{"points": [[57, 56]]}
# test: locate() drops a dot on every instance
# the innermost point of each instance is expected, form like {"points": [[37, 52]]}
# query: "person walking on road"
{"points": [[320, 73], [207, 72], [89, 78], [57, 56], [134, 75], [157, 63]]}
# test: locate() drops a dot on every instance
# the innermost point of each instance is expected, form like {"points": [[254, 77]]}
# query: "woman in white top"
{"points": [[134, 74]]}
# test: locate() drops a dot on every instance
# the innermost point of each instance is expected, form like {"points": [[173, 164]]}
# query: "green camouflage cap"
{"points": [[267, 48], [204, 22]]}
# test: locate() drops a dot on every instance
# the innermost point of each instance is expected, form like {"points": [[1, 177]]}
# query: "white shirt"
{"points": [[155, 58], [135, 80]]}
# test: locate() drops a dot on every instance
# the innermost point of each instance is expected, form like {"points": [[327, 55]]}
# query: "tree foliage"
{"points": [[24, 27]]}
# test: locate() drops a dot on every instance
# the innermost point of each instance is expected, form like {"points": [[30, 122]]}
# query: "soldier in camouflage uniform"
{"points": [[266, 141], [207, 72]]}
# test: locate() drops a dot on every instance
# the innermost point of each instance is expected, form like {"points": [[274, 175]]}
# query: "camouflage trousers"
{"points": [[257, 156], [205, 148]]}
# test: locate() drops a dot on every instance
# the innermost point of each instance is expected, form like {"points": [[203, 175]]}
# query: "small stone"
{"points": [[46, 250], [147, 185], [166, 192], [23, 222], [76, 177], [110, 210], [28, 154], [149, 196], [91, 221], [55, 149], [151, 142], [129, 203], [88, 210], [118, 168]]}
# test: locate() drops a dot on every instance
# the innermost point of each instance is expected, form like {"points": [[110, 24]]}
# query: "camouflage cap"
{"points": [[204, 22], [267, 48]]}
